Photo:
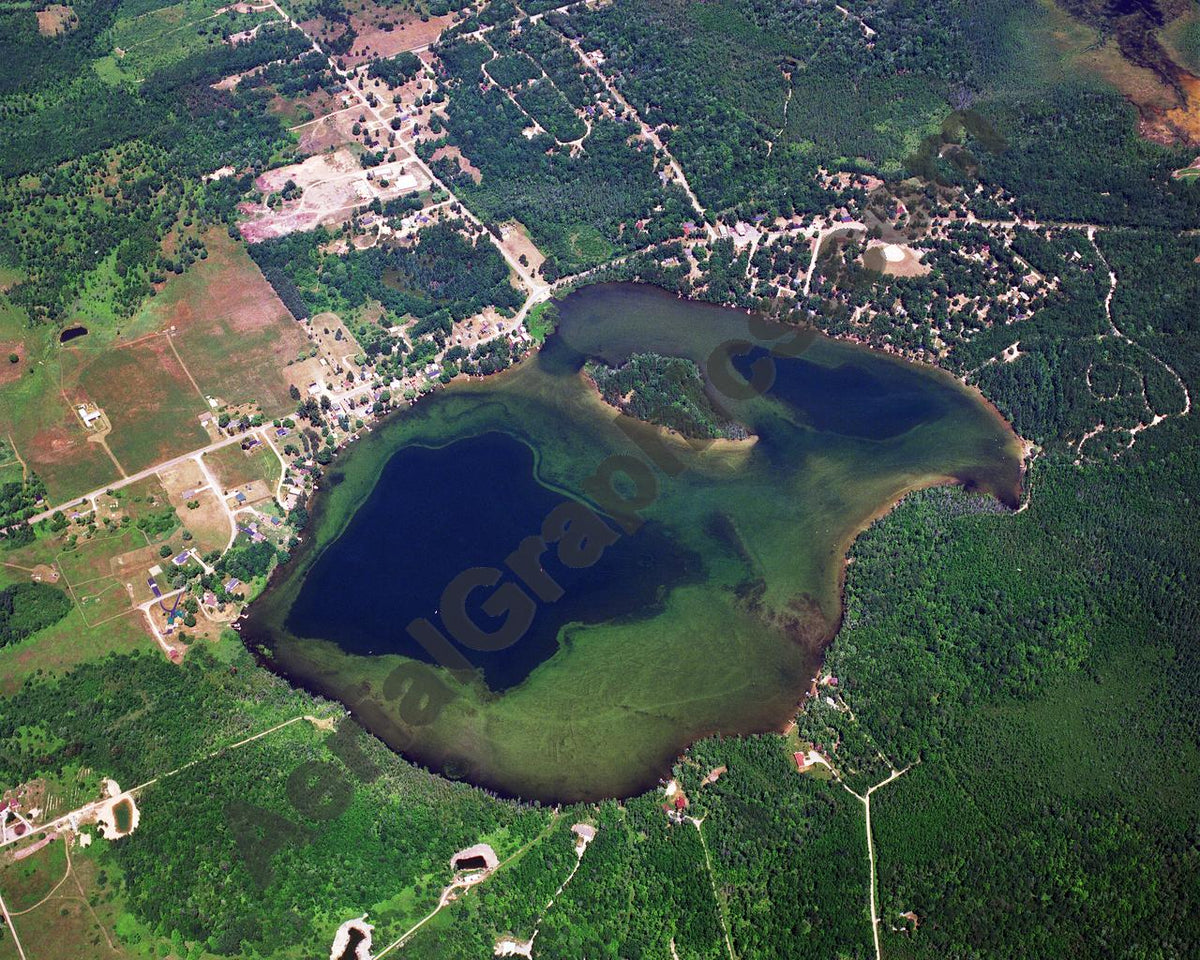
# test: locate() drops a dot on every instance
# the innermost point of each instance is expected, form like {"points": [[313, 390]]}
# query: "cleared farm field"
{"points": [[148, 398], [232, 331]]}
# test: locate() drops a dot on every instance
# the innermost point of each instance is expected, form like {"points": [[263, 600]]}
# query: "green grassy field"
{"points": [[234, 468], [67, 643], [147, 42]]}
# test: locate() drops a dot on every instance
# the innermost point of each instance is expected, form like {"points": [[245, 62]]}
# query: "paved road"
{"points": [[143, 474]]}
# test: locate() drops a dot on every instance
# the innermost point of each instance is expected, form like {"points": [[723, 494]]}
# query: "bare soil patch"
{"points": [[517, 242], [10, 371], [895, 259], [465, 165], [334, 186], [148, 398], [375, 42], [55, 19], [333, 131], [208, 522], [60, 454]]}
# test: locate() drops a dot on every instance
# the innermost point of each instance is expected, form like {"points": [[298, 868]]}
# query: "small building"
{"points": [[182, 558], [232, 584]]}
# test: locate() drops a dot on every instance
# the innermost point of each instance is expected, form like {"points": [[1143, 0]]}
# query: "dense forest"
{"points": [[26, 608], [582, 208]]}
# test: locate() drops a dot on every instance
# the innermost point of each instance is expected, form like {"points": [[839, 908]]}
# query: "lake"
{"points": [[701, 591]]}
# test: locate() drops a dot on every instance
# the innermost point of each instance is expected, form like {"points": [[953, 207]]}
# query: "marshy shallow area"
{"points": [[709, 617]]}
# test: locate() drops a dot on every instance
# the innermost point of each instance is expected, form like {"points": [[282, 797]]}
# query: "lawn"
{"points": [[82, 912], [28, 881], [235, 468], [93, 559], [207, 521]]}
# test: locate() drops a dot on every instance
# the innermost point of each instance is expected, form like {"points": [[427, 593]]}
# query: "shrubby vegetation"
{"points": [[138, 156], [239, 893], [1075, 155], [444, 275]]}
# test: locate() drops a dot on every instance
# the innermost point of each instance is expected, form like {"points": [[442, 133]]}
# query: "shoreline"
{"points": [[840, 557]]}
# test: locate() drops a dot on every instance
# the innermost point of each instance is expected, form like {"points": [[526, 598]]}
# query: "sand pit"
{"points": [[895, 260], [479, 857], [334, 185], [356, 932], [119, 816]]}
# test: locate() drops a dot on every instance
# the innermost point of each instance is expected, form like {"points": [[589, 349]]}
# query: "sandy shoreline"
{"points": [[697, 444]]}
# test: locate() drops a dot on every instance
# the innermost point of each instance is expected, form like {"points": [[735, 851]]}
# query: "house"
{"points": [[209, 598], [239, 497], [801, 761], [89, 416], [182, 558], [232, 584]]}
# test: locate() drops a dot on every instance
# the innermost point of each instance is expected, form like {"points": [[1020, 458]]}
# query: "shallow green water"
{"points": [[709, 617]]}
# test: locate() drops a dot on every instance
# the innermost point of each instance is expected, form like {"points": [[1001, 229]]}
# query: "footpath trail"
{"points": [[71, 819], [12, 928], [713, 882]]}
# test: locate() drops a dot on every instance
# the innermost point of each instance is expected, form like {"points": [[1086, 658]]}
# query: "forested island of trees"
{"points": [[26, 608], [665, 391]]}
